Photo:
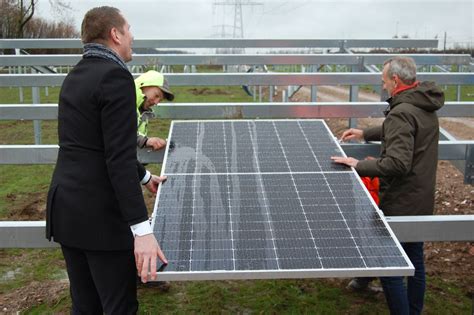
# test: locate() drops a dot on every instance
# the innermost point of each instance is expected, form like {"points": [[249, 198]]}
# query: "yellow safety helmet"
{"points": [[154, 78]]}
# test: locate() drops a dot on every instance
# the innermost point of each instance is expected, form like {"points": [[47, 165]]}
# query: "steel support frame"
{"points": [[47, 154], [431, 228], [263, 79], [61, 43], [247, 110], [236, 59]]}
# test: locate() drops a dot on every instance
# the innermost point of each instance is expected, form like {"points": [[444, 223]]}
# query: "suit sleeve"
{"points": [[399, 137], [119, 130], [141, 170]]}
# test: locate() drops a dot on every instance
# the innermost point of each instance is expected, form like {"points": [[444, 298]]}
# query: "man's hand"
{"points": [[146, 251], [153, 183], [345, 160], [155, 143], [352, 134]]}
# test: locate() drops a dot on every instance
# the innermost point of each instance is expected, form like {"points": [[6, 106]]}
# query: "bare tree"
{"points": [[17, 15], [14, 11], [61, 10], [25, 14], [8, 26]]}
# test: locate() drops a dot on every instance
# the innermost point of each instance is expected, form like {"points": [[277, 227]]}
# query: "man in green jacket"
{"points": [[151, 88], [406, 166]]}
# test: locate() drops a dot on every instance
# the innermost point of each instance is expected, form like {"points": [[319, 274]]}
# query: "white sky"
{"points": [[293, 19]]}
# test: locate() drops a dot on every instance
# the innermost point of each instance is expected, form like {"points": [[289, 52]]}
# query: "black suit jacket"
{"points": [[95, 193]]}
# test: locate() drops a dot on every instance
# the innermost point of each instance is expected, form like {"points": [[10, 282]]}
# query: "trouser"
{"points": [[407, 299], [101, 281]]}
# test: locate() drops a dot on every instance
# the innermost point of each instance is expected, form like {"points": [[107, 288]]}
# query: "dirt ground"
{"points": [[449, 261], [50, 292]]}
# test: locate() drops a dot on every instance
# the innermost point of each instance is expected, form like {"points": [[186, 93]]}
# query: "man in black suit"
{"points": [[95, 206]]}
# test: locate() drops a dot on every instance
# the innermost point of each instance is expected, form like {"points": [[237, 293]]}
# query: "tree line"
{"points": [[19, 21]]}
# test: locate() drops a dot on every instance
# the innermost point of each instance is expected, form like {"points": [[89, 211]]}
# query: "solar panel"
{"points": [[259, 199]]}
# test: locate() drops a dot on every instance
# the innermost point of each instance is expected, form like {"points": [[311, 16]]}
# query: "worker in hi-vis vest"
{"points": [[151, 88]]}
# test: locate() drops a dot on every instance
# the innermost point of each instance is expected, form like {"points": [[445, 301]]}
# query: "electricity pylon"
{"points": [[238, 27]]}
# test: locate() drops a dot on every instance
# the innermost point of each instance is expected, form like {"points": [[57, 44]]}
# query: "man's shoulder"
{"points": [[404, 107], [98, 69], [100, 64]]}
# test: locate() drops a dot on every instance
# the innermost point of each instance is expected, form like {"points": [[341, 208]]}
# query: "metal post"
{"points": [[353, 97], [284, 96], [260, 93], [254, 93], [46, 91], [458, 90], [314, 89], [35, 95], [271, 90], [313, 93], [469, 167], [20, 90]]}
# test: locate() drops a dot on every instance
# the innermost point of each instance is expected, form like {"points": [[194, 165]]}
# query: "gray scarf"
{"points": [[92, 50]]}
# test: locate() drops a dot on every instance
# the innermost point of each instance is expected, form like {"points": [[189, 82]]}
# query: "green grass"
{"points": [[201, 94], [19, 268], [30, 265], [19, 184], [467, 93], [441, 291], [11, 95], [308, 296]]}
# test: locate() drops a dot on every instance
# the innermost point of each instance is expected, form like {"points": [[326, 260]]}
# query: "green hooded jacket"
{"points": [[409, 153]]}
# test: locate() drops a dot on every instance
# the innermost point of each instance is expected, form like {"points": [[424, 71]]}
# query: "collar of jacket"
{"points": [[404, 88], [396, 92], [96, 50]]}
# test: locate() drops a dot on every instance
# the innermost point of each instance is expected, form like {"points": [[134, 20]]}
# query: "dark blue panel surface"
{"points": [[264, 195]]}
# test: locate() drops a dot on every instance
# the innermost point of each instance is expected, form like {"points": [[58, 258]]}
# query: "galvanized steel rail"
{"points": [[241, 59], [245, 110], [47, 154], [61, 43], [31, 234], [258, 79]]}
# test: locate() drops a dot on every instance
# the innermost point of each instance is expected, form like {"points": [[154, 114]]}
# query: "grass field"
{"points": [[24, 271]]}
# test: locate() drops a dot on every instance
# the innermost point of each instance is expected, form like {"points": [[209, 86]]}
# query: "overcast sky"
{"points": [[292, 19]]}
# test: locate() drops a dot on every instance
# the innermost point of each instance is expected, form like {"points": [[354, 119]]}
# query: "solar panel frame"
{"points": [[280, 273]]}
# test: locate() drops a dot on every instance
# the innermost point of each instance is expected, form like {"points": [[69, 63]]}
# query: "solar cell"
{"points": [[248, 199]]}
